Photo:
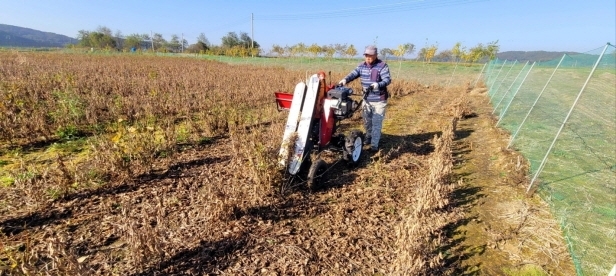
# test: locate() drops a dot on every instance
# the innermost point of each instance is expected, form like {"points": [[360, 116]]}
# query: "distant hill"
{"points": [[532, 56], [13, 36]]}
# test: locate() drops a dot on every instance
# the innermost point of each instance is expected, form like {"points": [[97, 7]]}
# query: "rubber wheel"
{"points": [[316, 174], [353, 147]]}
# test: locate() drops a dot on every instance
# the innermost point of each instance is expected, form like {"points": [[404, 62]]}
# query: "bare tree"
{"points": [[385, 52], [278, 50], [104, 30], [328, 51], [340, 49]]}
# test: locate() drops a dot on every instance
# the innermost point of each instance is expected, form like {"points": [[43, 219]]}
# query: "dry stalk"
{"points": [[143, 240], [420, 236]]}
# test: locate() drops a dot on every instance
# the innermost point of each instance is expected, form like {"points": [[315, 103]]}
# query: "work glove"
{"points": [[374, 86], [342, 82]]}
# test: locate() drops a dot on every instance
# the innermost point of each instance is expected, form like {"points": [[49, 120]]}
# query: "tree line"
{"points": [[233, 44], [242, 45], [429, 53]]}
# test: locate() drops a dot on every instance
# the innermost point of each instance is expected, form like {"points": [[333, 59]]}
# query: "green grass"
{"points": [[6, 181], [526, 270], [430, 73]]}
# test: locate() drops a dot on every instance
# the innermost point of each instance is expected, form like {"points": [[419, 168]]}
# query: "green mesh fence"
{"points": [[562, 117]]}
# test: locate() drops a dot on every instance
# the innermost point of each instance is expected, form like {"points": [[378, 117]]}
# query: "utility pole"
{"points": [[182, 42], [252, 30], [152, 40]]}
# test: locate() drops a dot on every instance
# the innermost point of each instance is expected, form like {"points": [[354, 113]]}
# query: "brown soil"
{"points": [[192, 215]]}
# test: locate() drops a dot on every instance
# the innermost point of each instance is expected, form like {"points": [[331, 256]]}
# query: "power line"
{"points": [[369, 10], [232, 24]]}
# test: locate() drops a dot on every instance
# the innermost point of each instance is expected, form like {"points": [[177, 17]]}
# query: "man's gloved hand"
{"points": [[374, 86], [342, 82]]}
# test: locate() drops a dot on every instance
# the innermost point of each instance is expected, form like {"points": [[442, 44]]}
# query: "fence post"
{"points": [[565, 120]]}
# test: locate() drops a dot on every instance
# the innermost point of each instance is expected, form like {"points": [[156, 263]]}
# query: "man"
{"points": [[375, 77]]}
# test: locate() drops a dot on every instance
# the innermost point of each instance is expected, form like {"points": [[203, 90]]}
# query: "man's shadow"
{"points": [[418, 144]]}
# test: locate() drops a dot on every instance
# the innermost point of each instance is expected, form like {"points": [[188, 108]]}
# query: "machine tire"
{"points": [[316, 174], [353, 147]]}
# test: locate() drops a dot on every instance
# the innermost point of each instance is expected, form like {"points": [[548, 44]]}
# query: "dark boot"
{"points": [[367, 141]]}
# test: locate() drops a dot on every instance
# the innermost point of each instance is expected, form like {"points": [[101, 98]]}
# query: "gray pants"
{"points": [[373, 114]]}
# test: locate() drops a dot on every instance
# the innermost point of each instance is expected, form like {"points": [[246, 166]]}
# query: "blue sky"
{"points": [[521, 25]]}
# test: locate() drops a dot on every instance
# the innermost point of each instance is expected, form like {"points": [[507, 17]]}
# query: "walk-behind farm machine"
{"points": [[315, 111]]}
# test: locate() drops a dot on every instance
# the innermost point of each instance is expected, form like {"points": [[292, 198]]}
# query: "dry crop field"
{"points": [[142, 165]]}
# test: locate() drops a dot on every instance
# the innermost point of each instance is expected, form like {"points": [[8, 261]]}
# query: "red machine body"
{"points": [[333, 104]]}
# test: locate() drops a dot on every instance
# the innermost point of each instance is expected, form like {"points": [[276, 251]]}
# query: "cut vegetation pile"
{"points": [[137, 165]]}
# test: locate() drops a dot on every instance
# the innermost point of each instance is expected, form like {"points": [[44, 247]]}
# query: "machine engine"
{"points": [[345, 106]]}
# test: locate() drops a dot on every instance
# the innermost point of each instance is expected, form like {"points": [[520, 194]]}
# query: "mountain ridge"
{"points": [[15, 36]]}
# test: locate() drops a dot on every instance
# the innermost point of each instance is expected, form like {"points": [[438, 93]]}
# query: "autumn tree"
{"points": [[298, 49], [456, 51], [401, 51], [406, 49], [427, 53], [492, 49], [314, 50], [465, 56], [351, 51]]}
